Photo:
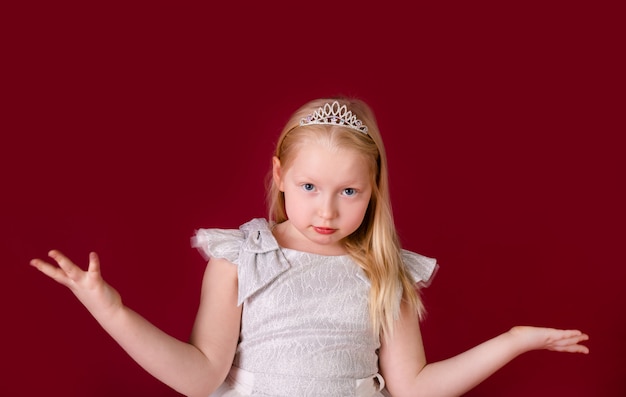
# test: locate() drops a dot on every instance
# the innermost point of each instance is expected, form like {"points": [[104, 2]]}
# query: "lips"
{"points": [[324, 230]]}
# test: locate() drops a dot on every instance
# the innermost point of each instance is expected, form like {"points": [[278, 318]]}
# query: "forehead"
{"points": [[329, 163]]}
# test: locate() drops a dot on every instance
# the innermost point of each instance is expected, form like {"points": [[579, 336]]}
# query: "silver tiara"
{"points": [[334, 114]]}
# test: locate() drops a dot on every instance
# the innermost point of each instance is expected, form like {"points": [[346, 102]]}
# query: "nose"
{"points": [[327, 207]]}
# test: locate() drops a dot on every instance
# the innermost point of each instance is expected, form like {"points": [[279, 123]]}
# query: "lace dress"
{"points": [[305, 328]]}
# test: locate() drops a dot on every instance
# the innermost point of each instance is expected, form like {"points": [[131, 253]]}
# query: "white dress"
{"points": [[305, 327]]}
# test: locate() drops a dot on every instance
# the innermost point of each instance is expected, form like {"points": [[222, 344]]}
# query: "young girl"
{"points": [[319, 301]]}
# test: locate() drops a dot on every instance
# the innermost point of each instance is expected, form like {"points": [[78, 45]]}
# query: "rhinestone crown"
{"points": [[334, 114]]}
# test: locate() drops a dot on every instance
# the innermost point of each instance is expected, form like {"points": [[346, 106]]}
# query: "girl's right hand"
{"points": [[193, 369], [94, 293]]}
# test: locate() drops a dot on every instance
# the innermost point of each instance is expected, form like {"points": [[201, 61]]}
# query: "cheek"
{"points": [[357, 212], [364, 210], [293, 206], [366, 205]]}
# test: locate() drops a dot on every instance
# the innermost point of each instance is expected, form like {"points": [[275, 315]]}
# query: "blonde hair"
{"points": [[374, 245]]}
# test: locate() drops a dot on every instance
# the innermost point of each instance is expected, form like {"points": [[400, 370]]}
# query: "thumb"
{"points": [[94, 263]]}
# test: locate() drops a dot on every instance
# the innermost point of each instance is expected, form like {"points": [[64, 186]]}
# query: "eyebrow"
{"points": [[346, 183]]}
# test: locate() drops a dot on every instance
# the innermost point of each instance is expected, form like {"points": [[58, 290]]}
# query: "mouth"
{"points": [[324, 230]]}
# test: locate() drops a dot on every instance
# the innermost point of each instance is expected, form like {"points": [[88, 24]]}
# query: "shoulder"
{"points": [[421, 268], [252, 249]]}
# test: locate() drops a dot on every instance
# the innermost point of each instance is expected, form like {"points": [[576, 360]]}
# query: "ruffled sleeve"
{"points": [[252, 248], [218, 243], [421, 269]]}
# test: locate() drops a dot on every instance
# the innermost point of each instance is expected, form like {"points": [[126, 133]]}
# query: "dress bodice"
{"points": [[305, 316]]}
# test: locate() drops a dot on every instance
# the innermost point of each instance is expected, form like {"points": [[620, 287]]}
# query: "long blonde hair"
{"points": [[374, 245]]}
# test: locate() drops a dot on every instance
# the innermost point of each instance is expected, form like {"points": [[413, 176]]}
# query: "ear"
{"points": [[277, 173]]}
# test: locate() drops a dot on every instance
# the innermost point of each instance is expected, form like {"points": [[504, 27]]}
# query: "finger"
{"points": [[572, 349], [571, 344], [568, 333], [94, 263], [54, 272], [571, 338], [72, 271]]}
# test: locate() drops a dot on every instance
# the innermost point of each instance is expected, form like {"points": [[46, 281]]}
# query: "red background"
{"points": [[126, 127]]}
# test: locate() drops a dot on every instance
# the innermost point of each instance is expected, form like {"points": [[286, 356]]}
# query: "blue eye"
{"points": [[349, 191], [309, 187]]}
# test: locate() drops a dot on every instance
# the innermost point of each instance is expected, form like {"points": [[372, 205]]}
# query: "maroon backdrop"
{"points": [[127, 127]]}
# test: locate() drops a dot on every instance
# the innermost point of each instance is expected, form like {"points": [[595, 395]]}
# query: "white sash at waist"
{"points": [[240, 382]]}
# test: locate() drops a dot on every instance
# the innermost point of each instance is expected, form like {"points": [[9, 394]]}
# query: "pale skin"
{"points": [[193, 369], [198, 367]]}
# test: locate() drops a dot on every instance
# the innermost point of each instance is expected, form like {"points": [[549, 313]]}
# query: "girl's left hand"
{"points": [[537, 338]]}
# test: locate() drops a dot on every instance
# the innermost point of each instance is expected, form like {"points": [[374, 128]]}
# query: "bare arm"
{"points": [[195, 368], [403, 363]]}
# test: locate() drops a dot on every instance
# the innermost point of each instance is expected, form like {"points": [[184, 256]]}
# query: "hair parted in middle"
{"points": [[375, 245]]}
